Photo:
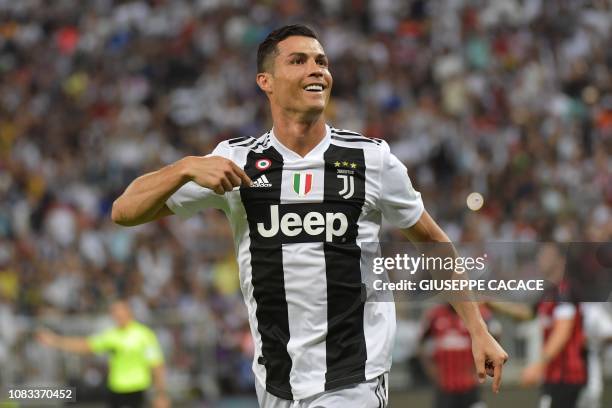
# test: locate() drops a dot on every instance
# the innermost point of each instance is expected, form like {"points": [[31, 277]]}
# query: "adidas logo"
{"points": [[261, 182]]}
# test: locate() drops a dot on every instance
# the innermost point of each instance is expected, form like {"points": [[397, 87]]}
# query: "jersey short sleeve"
{"points": [[564, 311], [101, 342], [191, 197], [153, 352], [399, 202]]}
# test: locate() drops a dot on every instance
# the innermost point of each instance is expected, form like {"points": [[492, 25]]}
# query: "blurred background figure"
{"points": [[135, 362], [446, 355], [561, 365], [512, 99], [598, 330]]}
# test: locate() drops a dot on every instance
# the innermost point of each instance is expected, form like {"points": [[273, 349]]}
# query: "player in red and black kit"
{"points": [[562, 368], [446, 354]]}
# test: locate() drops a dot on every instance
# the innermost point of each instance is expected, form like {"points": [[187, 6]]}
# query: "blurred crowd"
{"points": [[508, 98]]}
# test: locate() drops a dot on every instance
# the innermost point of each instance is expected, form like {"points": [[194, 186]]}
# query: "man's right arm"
{"points": [[144, 200], [516, 311], [71, 344]]}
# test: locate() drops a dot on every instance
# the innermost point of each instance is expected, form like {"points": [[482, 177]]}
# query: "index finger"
{"points": [[246, 181], [497, 376]]}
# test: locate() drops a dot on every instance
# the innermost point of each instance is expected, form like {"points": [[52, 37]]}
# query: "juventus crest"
{"points": [[348, 186], [346, 172]]}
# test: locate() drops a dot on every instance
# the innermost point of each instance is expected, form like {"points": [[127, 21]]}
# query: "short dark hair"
{"points": [[268, 46]]}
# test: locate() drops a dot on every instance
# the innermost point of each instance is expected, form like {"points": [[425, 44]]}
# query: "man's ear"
{"points": [[264, 81]]}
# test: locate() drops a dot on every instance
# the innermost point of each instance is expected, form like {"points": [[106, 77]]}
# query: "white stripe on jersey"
{"points": [[379, 332], [246, 287], [305, 285], [242, 243], [306, 291]]}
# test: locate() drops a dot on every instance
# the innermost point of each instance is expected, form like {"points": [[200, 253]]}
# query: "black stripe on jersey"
{"points": [[376, 390], [352, 138], [238, 140], [345, 343], [385, 393], [263, 142], [249, 144], [347, 135], [267, 275], [346, 132]]}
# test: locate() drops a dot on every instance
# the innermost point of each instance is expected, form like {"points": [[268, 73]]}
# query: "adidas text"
{"points": [[261, 182]]}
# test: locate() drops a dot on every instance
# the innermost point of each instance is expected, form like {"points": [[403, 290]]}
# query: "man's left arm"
{"points": [[155, 357], [489, 356], [160, 400]]}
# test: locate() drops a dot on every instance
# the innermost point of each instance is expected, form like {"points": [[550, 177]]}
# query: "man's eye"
{"points": [[297, 61]]}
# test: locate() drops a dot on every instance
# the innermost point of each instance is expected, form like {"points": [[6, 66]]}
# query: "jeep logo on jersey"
{"points": [[302, 183], [314, 223]]}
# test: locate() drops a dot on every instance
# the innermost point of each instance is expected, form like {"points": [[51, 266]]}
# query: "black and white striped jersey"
{"points": [[298, 232]]}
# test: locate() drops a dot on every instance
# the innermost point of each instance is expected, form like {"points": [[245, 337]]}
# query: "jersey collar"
{"points": [[318, 150]]}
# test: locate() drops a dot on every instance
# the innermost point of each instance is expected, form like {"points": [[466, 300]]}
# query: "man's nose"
{"points": [[315, 69]]}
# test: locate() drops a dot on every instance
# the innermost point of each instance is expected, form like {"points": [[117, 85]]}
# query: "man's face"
{"points": [[550, 262], [299, 80], [121, 313]]}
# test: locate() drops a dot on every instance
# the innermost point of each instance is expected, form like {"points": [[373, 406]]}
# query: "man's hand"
{"points": [[144, 200], [532, 374], [489, 358], [214, 172]]}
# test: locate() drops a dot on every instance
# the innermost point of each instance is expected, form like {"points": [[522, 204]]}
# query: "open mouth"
{"points": [[314, 88]]}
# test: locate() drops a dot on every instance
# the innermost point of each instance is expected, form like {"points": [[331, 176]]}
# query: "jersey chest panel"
{"points": [[305, 201]]}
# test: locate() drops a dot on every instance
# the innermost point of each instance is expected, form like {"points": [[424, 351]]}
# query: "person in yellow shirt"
{"points": [[136, 360]]}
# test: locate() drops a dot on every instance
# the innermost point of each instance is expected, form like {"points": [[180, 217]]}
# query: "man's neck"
{"points": [[300, 136]]}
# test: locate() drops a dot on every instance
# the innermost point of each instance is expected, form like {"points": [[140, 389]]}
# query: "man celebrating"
{"points": [[317, 194]]}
